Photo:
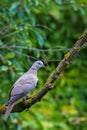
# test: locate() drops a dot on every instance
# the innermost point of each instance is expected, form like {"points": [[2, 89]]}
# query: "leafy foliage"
{"points": [[44, 29]]}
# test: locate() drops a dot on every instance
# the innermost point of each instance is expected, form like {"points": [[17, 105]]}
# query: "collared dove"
{"points": [[23, 86]]}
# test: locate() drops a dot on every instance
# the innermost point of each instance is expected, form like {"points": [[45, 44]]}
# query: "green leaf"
{"points": [[40, 38], [26, 8], [58, 1], [4, 68], [19, 127], [1, 42], [9, 55], [36, 2], [13, 7]]}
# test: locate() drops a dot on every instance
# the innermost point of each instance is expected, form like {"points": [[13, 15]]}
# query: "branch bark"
{"points": [[51, 79]]}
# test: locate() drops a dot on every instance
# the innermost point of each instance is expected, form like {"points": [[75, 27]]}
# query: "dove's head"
{"points": [[38, 65]]}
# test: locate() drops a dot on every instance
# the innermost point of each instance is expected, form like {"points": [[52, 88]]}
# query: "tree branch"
{"points": [[51, 79]]}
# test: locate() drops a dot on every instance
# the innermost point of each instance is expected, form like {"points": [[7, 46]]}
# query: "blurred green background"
{"points": [[46, 30]]}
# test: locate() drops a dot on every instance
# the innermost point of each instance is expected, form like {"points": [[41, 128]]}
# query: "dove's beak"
{"points": [[44, 66]]}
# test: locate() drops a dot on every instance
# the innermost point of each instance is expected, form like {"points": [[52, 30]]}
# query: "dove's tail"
{"points": [[8, 110]]}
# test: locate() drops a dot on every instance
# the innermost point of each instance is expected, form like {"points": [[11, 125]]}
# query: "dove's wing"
{"points": [[22, 87]]}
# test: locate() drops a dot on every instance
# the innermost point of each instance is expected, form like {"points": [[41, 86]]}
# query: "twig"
{"points": [[35, 49]]}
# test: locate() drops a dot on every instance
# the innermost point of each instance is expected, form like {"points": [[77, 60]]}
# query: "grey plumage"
{"points": [[23, 86]]}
